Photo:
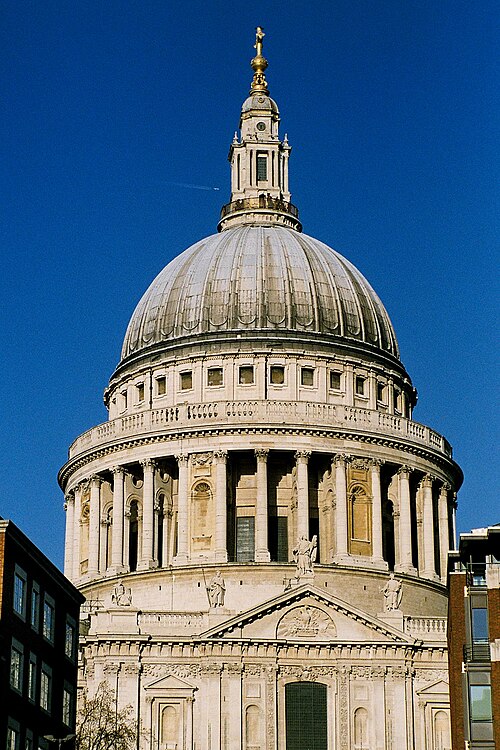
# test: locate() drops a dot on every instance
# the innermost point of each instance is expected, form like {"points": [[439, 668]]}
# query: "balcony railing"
{"points": [[260, 202]]}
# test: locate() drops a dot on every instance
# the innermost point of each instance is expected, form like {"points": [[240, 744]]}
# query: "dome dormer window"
{"points": [[261, 167]]}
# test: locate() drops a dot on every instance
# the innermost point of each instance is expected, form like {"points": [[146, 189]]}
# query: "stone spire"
{"points": [[259, 160]]}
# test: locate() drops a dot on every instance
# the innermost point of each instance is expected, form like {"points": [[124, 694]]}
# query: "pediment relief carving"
{"points": [[170, 682], [309, 623]]}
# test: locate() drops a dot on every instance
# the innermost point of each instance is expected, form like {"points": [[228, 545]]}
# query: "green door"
{"points": [[306, 716]]}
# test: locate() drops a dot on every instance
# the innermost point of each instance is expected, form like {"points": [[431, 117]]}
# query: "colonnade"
{"points": [[432, 518]]}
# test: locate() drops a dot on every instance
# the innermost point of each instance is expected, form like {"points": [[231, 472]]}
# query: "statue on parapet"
{"points": [[122, 595], [393, 593], [216, 590], [304, 554]]}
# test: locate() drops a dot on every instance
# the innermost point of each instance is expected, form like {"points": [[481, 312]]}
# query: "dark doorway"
{"points": [[306, 716]]}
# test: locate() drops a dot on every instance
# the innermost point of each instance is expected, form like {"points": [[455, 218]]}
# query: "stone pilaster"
{"points": [[94, 524], [444, 541], [118, 519], [302, 459], [147, 556], [220, 506], [428, 528], [69, 507], [377, 552], [341, 531], [77, 520], [405, 564], [261, 509], [182, 510]]}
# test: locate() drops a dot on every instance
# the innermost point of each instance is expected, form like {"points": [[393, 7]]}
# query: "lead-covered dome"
{"points": [[254, 279]]}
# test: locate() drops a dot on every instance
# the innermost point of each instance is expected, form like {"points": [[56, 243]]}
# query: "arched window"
{"points": [[442, 738], [361, 729], [360, 521], [252, 728], [133, 534], [306, 717], [170, 726]]}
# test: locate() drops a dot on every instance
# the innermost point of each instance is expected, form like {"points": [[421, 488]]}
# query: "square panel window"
{"points": [[32, 678], [480, 625], [246, 376], [16, 667], [186, 380], [214, 376], [307, 376], [480, 703], [48, 619], [161, 385], [45, 687], [70, 640], [35, 607], [360, 385], [335, 380], [261, 167], [20, 586], [12, 737], [277, 374], [67, 706]]}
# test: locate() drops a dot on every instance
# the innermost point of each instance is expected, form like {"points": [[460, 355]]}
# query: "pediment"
{"points": [[304, 614], [436, 688], [169, 682]]}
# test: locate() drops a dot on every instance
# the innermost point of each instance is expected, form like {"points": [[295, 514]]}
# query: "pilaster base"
{"points": [[262, 555], [179, 560], [147, 564], [405, 568], [430, 575], [221, 555]]}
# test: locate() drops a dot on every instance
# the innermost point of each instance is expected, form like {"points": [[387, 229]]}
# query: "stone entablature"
{"points": [[246, 414]]}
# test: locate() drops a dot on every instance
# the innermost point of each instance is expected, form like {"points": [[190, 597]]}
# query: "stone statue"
{"points": [[121, 596], [393, 593], [304, 554], [216, 590]]}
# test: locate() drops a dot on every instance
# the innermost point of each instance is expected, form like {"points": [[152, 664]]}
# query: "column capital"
{"points": [[182, 459], [376, 464], [303, 456], [341, 459], [445, 488], [427, 481], [69, 497], [148, 463], [118, 470], [404, 469], [220, 457], [261, 454], [95, 480]]}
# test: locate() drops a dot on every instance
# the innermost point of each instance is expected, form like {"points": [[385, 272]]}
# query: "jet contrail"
{"points": [[194, 187]]}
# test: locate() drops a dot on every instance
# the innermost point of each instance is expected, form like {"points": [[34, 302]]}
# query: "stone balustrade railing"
{"points": [[175, 622], [263, 413], [426, 627]]}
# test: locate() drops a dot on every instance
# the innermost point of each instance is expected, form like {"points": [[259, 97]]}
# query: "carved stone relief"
{"points": [[306, 622]]}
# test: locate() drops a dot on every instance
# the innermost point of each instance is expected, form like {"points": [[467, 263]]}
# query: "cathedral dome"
{"points": [[255, 280]]}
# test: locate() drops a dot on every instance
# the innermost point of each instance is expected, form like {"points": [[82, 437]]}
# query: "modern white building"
{"points": [[261, 528]]}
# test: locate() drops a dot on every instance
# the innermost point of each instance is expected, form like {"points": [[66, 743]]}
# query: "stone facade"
{"points": [[235, 522]]}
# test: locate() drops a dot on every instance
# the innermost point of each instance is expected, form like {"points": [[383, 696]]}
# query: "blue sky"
{"points": [[391, 108]]}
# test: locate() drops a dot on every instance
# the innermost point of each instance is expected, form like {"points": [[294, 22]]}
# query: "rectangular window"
{"points": [[307, 376], [186, 380], [67, 706], [16, 666], [480, 702], [124, 396], [35, 607], [335, 380], [45, 687], [28, 740], [360, 385], [32, 678], [140, 392], [214, 376], [480, 625], [20, 585], [12, 737], [246, 375], [245, 539], [161, 385], [261, 167], [48, 618], [277, 374], [70, 639], [397, 400], [380, 392], [278, 538]]}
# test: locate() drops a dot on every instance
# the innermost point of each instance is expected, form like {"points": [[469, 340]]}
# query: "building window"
{"points": [[480, 702], [306, 715], [186, 380], [381, 392], [20, 585], [261, 167], [480, 625], [32, 678], [214, 376], [16, 666], [13, 736], [246, 376], [124, 396], [140, 392], [307, 376], [360, 385], [397, 400], [67, 716], [48, 619], [277, 374], [161, 385], [70, 639], [45, 687], [245, 539], [335, 380], [35, 607], [28, 740]]}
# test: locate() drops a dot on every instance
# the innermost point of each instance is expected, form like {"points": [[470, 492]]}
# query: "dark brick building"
{"points": [[474, 640], [39, 614]]}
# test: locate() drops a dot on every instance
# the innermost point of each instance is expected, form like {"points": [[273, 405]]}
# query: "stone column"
{"points": [[454, 505], [261, 511], [182, 510], [76, 531], [429, 570], [349, 385], [147, 557], [341, 531], [69, 507], [377, 552], [302, 459], [405, 550], [390, 396], [118, 519], [372, 390], [220, 506], [444, 541], [94, 524]]}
